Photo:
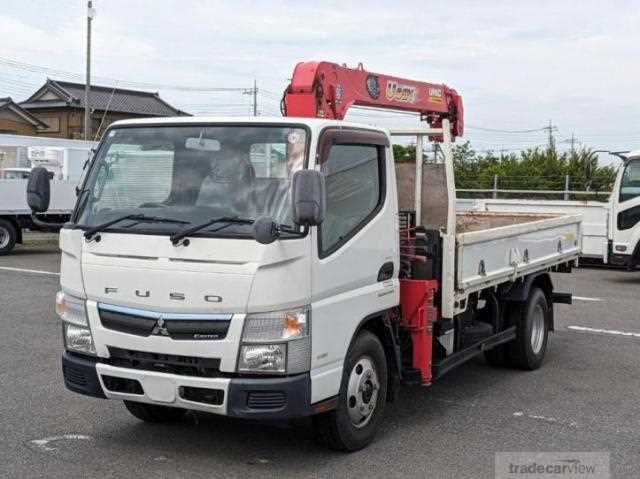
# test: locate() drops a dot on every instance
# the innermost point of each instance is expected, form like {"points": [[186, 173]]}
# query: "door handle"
{"points": [[386, 271]]}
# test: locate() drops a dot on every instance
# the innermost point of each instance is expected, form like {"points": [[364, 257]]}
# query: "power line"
{"points": [[467, 126], [497, 130], [51, 71]]}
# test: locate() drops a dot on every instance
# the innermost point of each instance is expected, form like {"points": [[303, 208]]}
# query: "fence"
{"points": [[567, 193]]}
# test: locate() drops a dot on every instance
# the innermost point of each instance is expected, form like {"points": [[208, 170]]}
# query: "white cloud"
{"points": [[516, 64]]}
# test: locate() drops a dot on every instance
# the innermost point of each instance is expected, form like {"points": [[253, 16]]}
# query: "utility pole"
{"points": [[87, 85], [255, 97], [573, 142], [550, 129], [254, 92]]}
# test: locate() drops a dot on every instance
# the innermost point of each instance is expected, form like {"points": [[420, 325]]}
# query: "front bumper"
{"points": [[620, 260], [257, 398]]}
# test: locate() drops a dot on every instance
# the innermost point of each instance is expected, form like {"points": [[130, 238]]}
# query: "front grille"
{"points": [[199, 329], [164, 363], [175, 326], [266, 399], [127, 323]]}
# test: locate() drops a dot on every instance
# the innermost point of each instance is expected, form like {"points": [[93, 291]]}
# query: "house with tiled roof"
{"points": [[60, 105], [15, 120]]}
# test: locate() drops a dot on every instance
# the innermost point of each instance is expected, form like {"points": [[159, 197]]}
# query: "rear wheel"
{"points": [[363, 394], [153, 413], [8, 236], [532, 332]]}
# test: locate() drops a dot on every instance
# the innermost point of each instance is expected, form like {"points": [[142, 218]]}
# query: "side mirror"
{"points": [[39, 190], [309, 197], [265, 230]]}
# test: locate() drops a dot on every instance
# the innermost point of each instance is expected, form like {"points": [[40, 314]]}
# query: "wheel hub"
{"points": [[537, 329], [362, 392], [4, 237]]}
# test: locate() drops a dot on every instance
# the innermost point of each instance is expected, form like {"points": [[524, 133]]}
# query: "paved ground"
{"points": [[585, 398]]}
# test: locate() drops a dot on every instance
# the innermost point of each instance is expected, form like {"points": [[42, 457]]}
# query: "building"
{"points": [[60, 106], [15, 120]]}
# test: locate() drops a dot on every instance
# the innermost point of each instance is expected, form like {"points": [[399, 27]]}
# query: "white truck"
{"points": [[261, 267], [15, 215], [64, 161], [611, 230]]}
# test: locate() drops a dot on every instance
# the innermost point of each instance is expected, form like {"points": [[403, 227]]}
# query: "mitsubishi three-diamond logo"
{"points": [[160, 329]]}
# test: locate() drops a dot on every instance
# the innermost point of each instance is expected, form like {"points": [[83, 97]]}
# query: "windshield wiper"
{"points": [[180, 235], [135, 217]]}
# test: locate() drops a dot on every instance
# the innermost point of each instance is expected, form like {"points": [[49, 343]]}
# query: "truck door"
{"points": [[626, 218], [355, 249]]}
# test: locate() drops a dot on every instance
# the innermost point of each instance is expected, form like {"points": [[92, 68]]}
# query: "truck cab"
{"points": [[624, 249], [155, 320]]}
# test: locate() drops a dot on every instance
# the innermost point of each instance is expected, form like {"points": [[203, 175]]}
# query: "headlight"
{"points": [[263, 357], [78, 339], [75, 326], [276, 342]]}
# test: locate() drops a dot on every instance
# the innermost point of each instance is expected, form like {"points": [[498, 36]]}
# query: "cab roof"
{"points": [[313, 123]]}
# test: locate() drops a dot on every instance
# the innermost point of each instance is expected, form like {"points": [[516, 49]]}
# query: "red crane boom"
{"points": [[328, 90]]}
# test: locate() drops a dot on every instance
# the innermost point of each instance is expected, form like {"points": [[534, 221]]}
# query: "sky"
{"points": [[518, 65]]}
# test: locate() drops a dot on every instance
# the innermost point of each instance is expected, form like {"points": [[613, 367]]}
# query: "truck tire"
{"points": [[532, 332], [362, 398], [8, 236], [153, 413]]}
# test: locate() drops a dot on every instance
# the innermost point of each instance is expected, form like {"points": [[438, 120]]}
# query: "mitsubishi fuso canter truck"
{"points": [[275, 268]]}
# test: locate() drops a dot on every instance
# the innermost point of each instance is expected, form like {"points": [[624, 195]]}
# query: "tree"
{"points": [[531, 169], [404, 153]]}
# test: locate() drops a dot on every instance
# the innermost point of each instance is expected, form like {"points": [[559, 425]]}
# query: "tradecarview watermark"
{"points": [[550, 465]]}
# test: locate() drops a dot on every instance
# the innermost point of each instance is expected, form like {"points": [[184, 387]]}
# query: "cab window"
{"points": [[354, 183], [630, 184]]}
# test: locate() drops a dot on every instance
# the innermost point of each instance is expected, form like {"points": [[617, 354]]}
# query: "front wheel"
{"points": [[8, 236], [363, 394]]}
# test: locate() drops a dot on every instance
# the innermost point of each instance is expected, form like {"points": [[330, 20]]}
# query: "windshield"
{"points": [[193, 174], [630, 185]]}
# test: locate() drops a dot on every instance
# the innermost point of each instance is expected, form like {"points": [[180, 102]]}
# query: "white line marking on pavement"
{"points": [[604, 331], [34, 271], [585, 298], [543, 418], [44, 443]]}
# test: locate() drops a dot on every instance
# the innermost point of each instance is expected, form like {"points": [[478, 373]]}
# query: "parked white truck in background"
{"points": [[257, 268], [64, 161], [611, 230]]}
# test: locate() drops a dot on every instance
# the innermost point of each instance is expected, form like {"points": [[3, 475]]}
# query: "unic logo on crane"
{"points": [[398, 92], [435, 95]]}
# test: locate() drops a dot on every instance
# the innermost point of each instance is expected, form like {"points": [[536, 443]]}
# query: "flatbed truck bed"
{"points": [[492, 248]]}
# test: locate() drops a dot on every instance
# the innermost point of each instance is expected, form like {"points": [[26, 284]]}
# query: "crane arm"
{"points": [[328, 90]]}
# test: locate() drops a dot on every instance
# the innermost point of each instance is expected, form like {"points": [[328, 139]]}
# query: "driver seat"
{"points": [[229, 188]]}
